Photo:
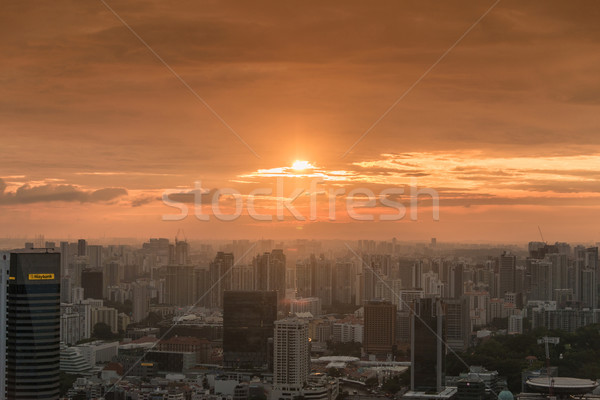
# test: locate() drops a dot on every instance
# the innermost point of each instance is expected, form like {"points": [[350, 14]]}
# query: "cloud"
{"points": [[141, 200], [27, 194]]}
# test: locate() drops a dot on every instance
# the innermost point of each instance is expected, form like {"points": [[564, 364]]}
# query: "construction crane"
{"points": [[540, 229], [549, 340]]}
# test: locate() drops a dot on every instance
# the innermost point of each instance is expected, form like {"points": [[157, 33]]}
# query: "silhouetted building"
{"points": [[507, 267], [30, 311], [427, 345], [248, 323], [81, 247], [380, 327], [220, 273], [92, 283]]}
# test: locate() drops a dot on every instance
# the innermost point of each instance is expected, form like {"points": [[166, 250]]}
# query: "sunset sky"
{"points": [[505, 126]]}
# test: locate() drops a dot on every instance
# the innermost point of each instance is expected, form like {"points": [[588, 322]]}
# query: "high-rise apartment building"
{"points": [[30, 325], [269, 272], [291, 357], [180, 285], [220, 273]]}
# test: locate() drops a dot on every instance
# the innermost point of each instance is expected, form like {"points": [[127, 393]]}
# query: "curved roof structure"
{"points": [[562, 385]]}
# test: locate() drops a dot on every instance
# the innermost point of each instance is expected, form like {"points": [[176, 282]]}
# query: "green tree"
{"points": [[102, 331]]}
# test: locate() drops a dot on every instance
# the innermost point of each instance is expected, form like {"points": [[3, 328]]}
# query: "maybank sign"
{"points": [[41, 277]]}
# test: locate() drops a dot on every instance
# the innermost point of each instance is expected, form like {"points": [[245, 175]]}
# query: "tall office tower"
{"points": [[457, 323], [303, 279], [560, 268], [220, 274], [92, 283], [269, 272], [81, 248], [157, 252], [407, 298], [113, 272], [180, 285], [277, 270], [182, 250], [291, 357], [380, 327], [248, 323], [76, 267], [65, 258], [30, 312], [427, 347], [140, 295], [202, 284], [417, 275], [541, 279], [343, 282], [242, 277], [65, 289], [457, 281], [95, 255], [507, 266], [586, 276], [241, 248], [322, 275]]}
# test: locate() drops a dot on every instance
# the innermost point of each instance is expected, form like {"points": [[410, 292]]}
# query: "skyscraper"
{"points": [[220, 273], [31, 325], [380, 327], [92, 283], [180, 285], [427, 347], [291, 357], [248, 324], [269, 272], [81, 248], [507, 267]]}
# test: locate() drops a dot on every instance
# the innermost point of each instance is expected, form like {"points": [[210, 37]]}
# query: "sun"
{"points": [[300, 165]]}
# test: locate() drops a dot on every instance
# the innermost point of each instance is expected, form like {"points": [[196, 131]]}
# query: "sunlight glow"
{"points": [[300, 165]]}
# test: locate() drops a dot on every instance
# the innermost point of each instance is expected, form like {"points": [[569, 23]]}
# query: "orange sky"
{"points": [[95, 128]]}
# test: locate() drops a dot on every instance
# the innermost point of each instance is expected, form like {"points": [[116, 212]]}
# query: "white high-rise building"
{"points": [[291, 357]]}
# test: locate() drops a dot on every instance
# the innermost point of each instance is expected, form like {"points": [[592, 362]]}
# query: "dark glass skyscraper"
{"points": [[32, 326], [428, 346], [248, 324], [92, 283]]}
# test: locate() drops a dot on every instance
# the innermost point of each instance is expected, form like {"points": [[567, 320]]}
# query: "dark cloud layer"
{"points": [[27, 194]]}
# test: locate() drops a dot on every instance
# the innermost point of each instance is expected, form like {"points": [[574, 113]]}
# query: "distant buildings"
{"points": [[306, 304]]}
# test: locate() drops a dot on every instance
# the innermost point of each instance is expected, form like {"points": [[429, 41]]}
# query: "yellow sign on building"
{"points": [[41, 277]]}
